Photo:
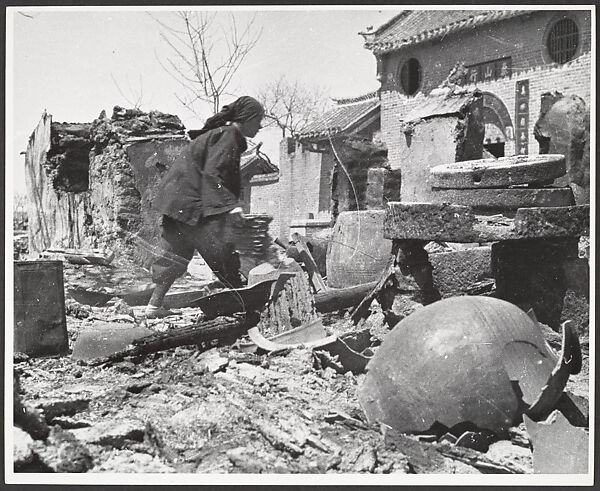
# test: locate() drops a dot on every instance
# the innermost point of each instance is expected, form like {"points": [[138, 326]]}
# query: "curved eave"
{"points": [[379, 48]]}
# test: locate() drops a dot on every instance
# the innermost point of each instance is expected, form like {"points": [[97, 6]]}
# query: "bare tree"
{"points": [[291, 105], [205, 55], [136, 94]]}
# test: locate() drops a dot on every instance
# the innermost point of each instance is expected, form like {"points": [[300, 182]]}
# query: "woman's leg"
{"points": [[214, 239], [176, 253]]}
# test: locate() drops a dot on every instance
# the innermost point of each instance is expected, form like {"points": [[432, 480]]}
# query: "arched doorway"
{"points": [[498, 125]]}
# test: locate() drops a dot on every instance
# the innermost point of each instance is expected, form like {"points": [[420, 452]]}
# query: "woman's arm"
{"points": [[221, 170]]}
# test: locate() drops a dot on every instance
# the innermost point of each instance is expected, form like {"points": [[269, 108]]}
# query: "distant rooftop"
{"points": [[251, 158], [347, 113]]}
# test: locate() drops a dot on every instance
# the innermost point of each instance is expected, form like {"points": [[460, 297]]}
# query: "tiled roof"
{"points": [[342, 117], [417, 26], [250, 158]]}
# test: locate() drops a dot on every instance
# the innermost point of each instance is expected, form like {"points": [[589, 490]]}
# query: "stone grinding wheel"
{"points": [[460, 360], [499, 173]]}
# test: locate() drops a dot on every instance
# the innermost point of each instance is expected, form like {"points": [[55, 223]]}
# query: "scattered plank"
{"points": [[314, 276], [222, 328], [362, 309]]}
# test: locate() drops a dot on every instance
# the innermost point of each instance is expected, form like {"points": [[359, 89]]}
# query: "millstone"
{"points": [[499, 173], [505, 199], [459, 223]]}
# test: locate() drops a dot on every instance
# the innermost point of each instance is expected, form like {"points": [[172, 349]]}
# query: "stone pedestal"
{"points": [[530, 273], [528, 254]]}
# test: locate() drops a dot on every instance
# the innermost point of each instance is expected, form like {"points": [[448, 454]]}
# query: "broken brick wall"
{"points": [[523, 39], [92, 185], [264, 199], [572, 78], [445, 128]]}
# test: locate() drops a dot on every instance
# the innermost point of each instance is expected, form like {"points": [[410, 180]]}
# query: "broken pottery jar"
{"points": [[466, 359]]}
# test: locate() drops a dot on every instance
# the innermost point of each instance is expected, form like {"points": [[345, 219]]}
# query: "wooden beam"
{"points": [[222, 328], [315, 278]]}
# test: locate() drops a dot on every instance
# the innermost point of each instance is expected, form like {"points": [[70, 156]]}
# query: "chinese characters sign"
{"points": [[490, 70], [522, 117]]}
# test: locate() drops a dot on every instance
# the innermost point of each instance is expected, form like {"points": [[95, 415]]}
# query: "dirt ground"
{"points": [[225, 411]]}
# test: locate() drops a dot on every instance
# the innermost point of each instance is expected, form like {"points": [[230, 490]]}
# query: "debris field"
{"points": [[217, 408]]}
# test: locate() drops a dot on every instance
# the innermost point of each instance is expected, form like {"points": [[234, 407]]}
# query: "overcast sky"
{"points": [[74, 64]]}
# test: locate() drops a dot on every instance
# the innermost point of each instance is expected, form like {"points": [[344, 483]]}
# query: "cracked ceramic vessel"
{"points": [[462, 359]]}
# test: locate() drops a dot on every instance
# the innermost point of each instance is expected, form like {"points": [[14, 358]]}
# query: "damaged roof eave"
{"points": [[440, 106]]}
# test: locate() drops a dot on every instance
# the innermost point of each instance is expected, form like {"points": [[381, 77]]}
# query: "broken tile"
{"points": [[212, 361], [446, 437], [504, 452], [62, 407], [518, 436], [127, 461], [112, 433], [558, 447], [105, 338], [69, 423]]}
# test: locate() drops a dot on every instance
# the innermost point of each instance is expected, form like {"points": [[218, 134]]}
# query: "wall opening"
{"points": [[563, 40], [410, 76], [498, 125]]}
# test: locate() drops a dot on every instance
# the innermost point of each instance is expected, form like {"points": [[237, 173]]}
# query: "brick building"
{"points": [[512, 56], [253, 165], [516, 58], [300, 196]]}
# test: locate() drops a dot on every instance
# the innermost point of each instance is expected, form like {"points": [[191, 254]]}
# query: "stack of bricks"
{"points": [[254, 242]]}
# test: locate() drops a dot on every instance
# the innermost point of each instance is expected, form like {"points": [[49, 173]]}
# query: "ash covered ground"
{"points": [[217, 409]]}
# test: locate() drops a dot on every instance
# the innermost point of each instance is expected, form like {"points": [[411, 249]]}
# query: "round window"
{"points": [[563, 40], [410, 76]]}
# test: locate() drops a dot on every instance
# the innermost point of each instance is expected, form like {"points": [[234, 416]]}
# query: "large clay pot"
{"points": [[465, 359], [358, 252]]}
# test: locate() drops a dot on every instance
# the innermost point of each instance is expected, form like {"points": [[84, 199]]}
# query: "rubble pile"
{"points": [[227, 405], [225, 411]]}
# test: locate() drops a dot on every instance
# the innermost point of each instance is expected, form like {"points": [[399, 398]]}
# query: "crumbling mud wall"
{"points": [[563, 127], [132, 151], [56, 178], [91, 185], [445, 128]]}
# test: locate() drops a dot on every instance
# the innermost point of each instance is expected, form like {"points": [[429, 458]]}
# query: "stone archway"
{"points": [[498, 125]]}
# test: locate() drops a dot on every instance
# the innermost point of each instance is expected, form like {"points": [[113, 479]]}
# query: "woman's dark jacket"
{"points": [[205, 178]]}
